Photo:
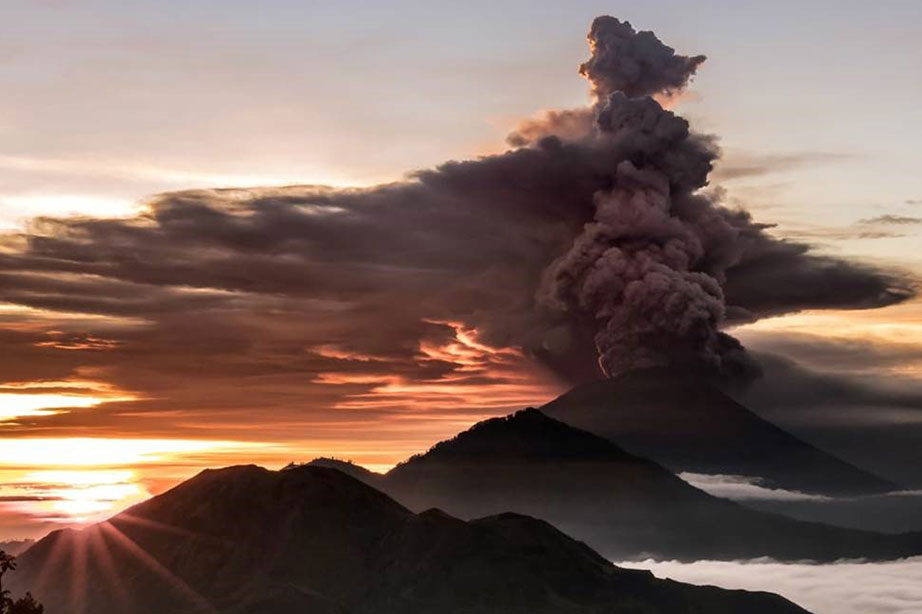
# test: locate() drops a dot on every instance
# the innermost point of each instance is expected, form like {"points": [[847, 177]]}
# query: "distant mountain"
{"points": [[245, 540], [15, 546], [686, 424], [621, 505]]}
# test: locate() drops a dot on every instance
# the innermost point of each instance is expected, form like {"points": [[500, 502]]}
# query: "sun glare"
{"points": [[73, 496], [74, 481]]}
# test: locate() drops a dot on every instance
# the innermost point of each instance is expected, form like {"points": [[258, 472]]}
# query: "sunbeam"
{"points": [[148, 561]]}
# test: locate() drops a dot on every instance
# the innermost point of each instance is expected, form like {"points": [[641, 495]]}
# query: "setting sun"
{"points": [[81, 496]]}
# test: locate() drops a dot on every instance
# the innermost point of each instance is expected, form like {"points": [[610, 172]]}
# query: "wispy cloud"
{"points": [[892, 219], [743, 488], [739, 164], [886, 226]]}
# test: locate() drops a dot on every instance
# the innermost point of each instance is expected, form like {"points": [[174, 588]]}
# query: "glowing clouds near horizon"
{"points": [[484, 378], [48, 398], [73, 480], [73, 496], [105, 452]]}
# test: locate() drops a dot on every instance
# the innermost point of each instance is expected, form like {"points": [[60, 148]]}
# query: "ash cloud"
{"points": [[772, 275], [634, 63], [589, 242], [636, 267]]}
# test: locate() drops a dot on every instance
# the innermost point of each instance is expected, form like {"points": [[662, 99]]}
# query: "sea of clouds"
{"points": [[847, 587]]}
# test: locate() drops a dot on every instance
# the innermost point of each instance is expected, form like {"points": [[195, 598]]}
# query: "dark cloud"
{"points": [[806, 388], [461, 284], [843, 355], [634, 63], [855, 399], [774, 275]]}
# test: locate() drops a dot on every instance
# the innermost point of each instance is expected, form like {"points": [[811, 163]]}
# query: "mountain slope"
{"points": [[246, 540], [621, 505], [686, 424]]}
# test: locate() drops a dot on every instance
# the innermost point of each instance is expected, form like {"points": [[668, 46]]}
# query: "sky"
{"points": [[114, 385]]}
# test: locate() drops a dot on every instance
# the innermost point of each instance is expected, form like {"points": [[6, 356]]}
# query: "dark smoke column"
{"points": [[634, 63], [644, 268]]}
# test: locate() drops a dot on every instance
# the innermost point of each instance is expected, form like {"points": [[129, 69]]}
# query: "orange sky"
{"points": [[71, 473]]}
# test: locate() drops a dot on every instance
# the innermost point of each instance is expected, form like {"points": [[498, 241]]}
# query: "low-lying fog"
{"points": [[848, 587], [895, 512]]}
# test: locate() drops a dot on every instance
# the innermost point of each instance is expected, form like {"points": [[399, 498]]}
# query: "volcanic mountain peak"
{"points": [[526, 435], [245, 540], [686, 423], [215, 499]]}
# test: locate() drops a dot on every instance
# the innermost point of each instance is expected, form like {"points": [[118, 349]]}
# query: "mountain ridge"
{"points": [[624, 506], [246, 540]]}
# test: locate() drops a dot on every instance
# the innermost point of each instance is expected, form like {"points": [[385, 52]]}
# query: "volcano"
{"points": [[622, 505], [688, 425], [246, 540]]}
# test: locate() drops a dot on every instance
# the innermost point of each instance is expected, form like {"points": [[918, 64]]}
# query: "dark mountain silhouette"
{"points": [[246, 540], [686, 424], [351, 469], [621, 505]]}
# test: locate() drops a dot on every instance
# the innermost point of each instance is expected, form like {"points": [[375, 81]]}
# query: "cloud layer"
{"points": [[839, 588]]}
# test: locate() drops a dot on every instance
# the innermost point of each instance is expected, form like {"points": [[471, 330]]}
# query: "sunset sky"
{"points": [[126, 370]]}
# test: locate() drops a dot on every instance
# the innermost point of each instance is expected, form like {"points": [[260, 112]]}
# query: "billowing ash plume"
{"points": [[644, 266], [634, 63], [588, 243]]}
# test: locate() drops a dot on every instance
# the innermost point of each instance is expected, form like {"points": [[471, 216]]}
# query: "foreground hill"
{"points": [[686, 424], [621, 505], [245, 540]]}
